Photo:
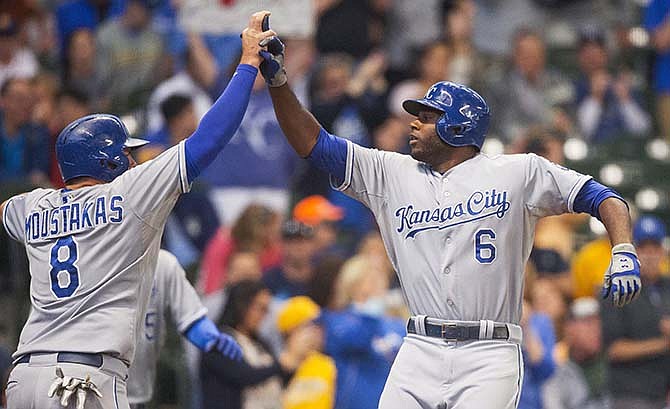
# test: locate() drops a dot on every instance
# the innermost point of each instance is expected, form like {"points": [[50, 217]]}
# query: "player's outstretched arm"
{"points": [[622, 278], [220, 123], [298, 124], [204, 335]]}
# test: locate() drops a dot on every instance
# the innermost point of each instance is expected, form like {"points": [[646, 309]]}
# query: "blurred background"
{"points": [[298, 268]]}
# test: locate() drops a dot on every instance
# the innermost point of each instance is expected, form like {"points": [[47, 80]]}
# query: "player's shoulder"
{"points": [[506, 161], [34, 195], [166, 257]]}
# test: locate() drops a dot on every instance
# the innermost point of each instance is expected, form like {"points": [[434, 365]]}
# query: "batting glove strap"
{"points": [[622, 279], [272, 67]]}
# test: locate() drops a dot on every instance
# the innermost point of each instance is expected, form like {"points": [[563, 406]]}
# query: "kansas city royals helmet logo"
{"points": [[467, 112], [439, 94]]}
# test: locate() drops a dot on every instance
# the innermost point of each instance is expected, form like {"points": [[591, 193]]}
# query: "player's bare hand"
{"points": [[252, 37]]}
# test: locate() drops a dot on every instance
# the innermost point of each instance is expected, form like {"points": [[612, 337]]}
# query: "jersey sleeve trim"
{"points": [[344, 185], [184, 324], [4, 220], [183, 174], [575, 191]]}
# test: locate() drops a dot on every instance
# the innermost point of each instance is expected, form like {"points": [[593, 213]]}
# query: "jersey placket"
{"points": [[445, 197]]}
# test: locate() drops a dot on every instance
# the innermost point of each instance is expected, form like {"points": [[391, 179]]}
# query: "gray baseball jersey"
{"points": [[92, 254], [170, 290], [459, 241]]}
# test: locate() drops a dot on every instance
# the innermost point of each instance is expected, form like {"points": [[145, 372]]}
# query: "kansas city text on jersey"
{"points": [[73, 217], [478, 206]]}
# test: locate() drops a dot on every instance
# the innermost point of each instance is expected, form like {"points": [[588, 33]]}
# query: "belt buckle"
{"points": [[443, 331]]}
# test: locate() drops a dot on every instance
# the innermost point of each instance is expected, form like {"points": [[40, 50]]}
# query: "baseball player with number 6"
{"points": [[93, 249], [458, 227]]}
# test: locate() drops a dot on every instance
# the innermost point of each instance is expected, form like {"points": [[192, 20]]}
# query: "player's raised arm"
{"points": [[220, 123], [303, 132]]}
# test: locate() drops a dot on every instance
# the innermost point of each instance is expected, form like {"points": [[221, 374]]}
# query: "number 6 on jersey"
{"points": [[485, 252]]}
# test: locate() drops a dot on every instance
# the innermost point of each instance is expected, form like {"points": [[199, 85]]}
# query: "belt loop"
{"points": [[420, 324], [486, 329], [515, 333]]}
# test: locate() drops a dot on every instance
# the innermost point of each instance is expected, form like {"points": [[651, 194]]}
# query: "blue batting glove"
{"points": [[272, 67], [622, 279], [228, 347]]}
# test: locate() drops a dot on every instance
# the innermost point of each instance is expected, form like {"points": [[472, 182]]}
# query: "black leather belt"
{"points": [[70, 357], [456, 332]]}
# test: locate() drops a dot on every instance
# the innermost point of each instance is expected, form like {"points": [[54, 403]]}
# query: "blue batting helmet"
{"points": [[648, 227], [465, 118], [93, 146]]}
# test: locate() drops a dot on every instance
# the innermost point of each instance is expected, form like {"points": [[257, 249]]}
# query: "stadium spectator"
{"points": [[404, 36], [179, 121], [467, 65], [79, 65], [359, 335], [256, 230], [313, 383], [344, 100], [257, 380], [258, 140], [73, 15], [350, 26], [607, 105], [200, 79], [129, 60], [526, 95], [292, 277], [637, 338], [24, 144], [657, 22], [538, 345], [317, 212], [588, 267], [16, 61], [580, 381]]}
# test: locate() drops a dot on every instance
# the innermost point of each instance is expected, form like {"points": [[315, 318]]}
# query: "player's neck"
{"points": [[78, 183], [453, 157]]}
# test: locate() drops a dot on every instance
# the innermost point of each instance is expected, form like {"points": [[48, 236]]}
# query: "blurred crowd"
{"points": [[296, 271]]}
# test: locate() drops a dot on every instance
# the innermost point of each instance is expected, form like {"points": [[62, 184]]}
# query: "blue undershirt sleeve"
{"points": [[220, 123], [591, 195], [329, 154], [202, 333]]}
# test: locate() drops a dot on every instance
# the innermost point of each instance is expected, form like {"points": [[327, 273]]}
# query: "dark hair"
{"points": [[8, 83], [322, 285], [240, 297], [78, 96], [174, 105]]}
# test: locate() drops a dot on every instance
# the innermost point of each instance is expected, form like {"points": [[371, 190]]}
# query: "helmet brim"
{"points": [[135, 143], [414, 106]]}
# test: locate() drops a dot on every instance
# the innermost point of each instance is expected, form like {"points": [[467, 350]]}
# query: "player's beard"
{"points": [[429, 150]]}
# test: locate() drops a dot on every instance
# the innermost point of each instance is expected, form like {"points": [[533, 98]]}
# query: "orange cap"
{"points": [[316, 209]]}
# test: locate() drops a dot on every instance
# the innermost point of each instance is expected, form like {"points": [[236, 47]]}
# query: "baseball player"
{"points": [[93, 248], [170, 290], [458, 227]]}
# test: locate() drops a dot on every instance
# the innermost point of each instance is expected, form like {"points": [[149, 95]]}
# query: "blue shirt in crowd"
{"points": [[656, 14], [536, 374], [363, 347]]}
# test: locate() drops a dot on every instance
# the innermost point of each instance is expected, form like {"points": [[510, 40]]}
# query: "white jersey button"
{"points": [[448, 240], [446, 194], [451, 303], [447, 270]]}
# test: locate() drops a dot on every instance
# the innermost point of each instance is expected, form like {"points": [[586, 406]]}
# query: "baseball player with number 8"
{"points": [[458, 227], [93, 249]]}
